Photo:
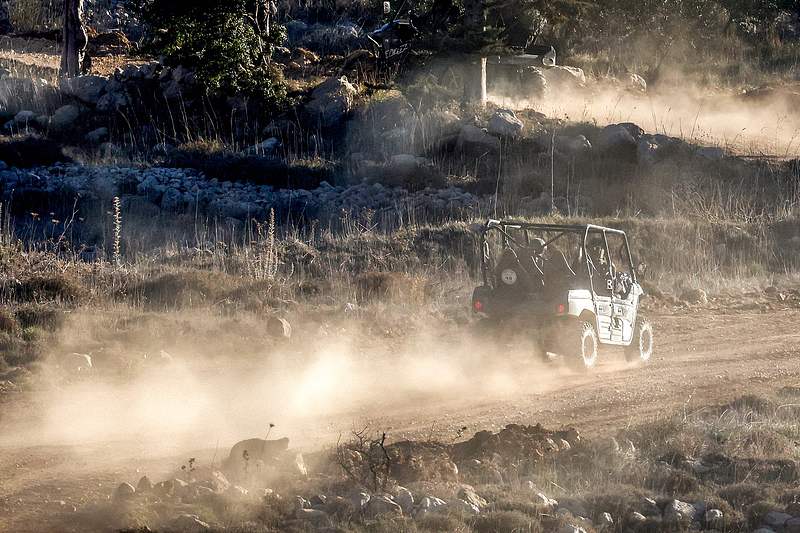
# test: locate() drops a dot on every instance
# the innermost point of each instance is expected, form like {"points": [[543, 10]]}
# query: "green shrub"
{"points": [[227, 44]]}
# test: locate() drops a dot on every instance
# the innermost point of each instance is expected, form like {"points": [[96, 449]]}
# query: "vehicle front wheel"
{"points": [[641, 347], [581, 344]]}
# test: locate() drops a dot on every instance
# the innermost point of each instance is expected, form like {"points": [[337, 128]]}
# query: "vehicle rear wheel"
{"points": [[641, 347], [581, 345]]}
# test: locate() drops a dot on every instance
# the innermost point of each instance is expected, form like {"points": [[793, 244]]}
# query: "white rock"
{"points": [[505, 124], [678, 511], [469, 495], [550, 503], [430, 504], [605, 521]]}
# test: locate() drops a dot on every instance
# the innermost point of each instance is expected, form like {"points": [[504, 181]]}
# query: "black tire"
{"points": [[641, 347], [581, 345]]}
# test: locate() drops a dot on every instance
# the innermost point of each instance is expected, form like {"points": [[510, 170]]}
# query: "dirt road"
{"points": [[703, 358]]}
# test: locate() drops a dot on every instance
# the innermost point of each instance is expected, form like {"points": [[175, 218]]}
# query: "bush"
{"points": [[56, 287], [227, 44], [44, 317], [8, 322]]}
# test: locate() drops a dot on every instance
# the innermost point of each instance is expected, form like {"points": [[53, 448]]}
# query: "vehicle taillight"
{"points": [[562, 309], [477, 306]]}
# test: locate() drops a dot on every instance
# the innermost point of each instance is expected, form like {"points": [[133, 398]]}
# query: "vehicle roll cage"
{"points": [[502, 226]]}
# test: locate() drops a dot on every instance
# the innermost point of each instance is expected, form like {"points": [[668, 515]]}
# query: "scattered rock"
{"points": [[64, 117], [23, 118], [144, 485], [637, 82], [124, 492], [405, 499], [462, 506], [570, 528], [695, 296], [218, 482], [87, 89], [331, 101], [316, 516], [561, 76], [97, 136], [380, 505], [776, 519], [360, 500], [189, 523], [620, 140], [713, 518], [430, 504], [605, 522], [550, 503], [469, 495], [472, 136], [268, 147], [637, 518], [711, 153], [677, 511], [505, 123], [278, 327], [572, 145]]}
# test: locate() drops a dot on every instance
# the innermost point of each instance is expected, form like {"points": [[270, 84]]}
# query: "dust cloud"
{"points": [[758, 123], [312, 390]]}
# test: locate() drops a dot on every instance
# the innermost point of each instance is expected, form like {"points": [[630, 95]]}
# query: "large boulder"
{"points": [[572, 145], [64, 117], [474, 137], [382, 504], [87, 89], [23, 118], [620, 140], [430, 504], [565, 77], [654, 148], [677, 511], [124, 492], [331, 101], [505, 123]]}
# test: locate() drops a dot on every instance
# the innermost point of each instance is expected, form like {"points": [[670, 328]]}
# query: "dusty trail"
{"points": [[702, 358]]}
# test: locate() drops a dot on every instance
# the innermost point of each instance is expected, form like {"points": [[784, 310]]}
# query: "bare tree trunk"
{"points": [[475, 69], [475, 81], [74, 41]]}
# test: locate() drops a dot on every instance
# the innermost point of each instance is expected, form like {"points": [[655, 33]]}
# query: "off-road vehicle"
{"points": [[574, 288]]}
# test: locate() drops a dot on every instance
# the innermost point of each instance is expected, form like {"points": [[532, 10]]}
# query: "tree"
{"points": [[227, 43], [74, 39]]}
